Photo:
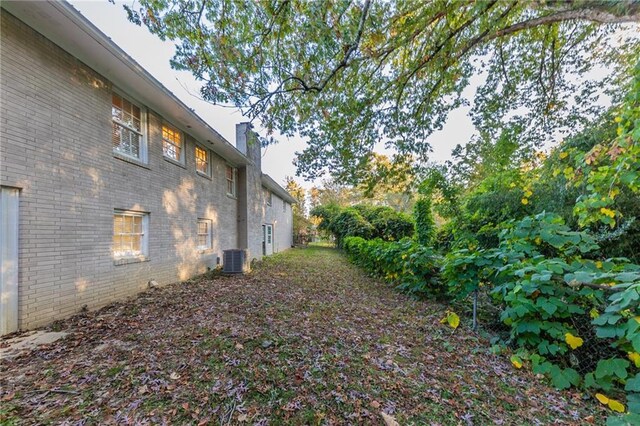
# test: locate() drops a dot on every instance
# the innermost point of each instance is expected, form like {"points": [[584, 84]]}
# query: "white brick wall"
{"points": [[55, 144], [282, 221]]}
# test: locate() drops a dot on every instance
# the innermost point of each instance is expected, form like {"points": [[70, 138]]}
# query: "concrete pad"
{"points": [[28, 342]]}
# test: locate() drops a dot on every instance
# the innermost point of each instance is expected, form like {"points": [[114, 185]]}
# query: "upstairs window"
{"points": [[172, 143], [129, 234], [202, 161], [231, 181], [127, 128], [204, 234]]}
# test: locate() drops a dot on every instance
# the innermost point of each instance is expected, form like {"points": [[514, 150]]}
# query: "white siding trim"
{"points": [[9, 202]]}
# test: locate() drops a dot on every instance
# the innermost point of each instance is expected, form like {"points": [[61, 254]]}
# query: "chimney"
{"points": [[250, 214], [247, 142]]}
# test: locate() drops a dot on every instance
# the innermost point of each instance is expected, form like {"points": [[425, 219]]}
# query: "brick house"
{"points": [[107, 180]]}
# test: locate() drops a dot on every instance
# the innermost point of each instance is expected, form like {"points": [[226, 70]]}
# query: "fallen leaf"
{"points": [[375, 404], [516, 361], [389, 420], [573, 341], [616, 405]]}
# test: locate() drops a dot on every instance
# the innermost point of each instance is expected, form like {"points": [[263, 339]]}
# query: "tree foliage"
{"points": [[365, 221], [348, 75]]}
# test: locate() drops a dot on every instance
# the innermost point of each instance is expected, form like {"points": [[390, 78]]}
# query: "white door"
{"points": [[268, 239], [8, 260]]}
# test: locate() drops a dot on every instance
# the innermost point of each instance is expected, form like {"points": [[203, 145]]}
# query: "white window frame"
{"points": [[142, 150], [209, 234], [183, 143], [206, 173], [144, 238], [233, 181]]}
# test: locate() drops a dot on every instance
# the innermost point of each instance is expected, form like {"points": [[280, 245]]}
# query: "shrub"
{"points": [[411, 267], [348, 223], [561, 306], [424, 221], [364, 221]]}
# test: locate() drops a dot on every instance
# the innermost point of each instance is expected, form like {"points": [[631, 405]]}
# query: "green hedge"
{"points": [[409, 266], [368, 222]]}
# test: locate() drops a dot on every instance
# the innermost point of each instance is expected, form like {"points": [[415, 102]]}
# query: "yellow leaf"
{"points": [[538, 240], [593, 313], [516, 361], [453, 319], [563, 155], [528, 193], [573, 341], [599, 264], [524, 201], [616, 406], [603, 399], [617, 119], [635, 357], [607, 212]]}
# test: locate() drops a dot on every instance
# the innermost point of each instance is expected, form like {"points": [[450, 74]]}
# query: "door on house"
{"points": [[268, 239], [8, 260]]}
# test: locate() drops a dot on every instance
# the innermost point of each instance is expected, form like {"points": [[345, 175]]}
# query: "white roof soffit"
{"points": [[273, 186], [65, 26]]}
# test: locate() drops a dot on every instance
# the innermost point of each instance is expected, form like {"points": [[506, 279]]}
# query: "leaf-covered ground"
{"points": [[306, 338]]}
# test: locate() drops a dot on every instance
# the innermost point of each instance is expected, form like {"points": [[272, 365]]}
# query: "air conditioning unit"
{"points": [[234, 261]]}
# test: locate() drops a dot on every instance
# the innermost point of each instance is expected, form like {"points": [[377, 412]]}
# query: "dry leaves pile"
{"points": [[306, 338]]}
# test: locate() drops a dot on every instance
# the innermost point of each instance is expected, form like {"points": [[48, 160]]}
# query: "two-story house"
{"points": [[107, 180]]}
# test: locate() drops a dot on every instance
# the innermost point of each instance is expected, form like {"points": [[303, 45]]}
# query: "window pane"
{"points": [[137, 224], [117, 225], [136, 244], [202, 160], [125, 141]]}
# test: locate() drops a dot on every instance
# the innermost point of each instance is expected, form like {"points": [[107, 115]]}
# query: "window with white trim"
{"points": [[172, 143], [202, 161], [231, 174], [204, 234], [130, 234], [127, 120]]}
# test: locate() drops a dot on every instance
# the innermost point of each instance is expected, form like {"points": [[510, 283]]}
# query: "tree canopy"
{"points": [[349, 76]]}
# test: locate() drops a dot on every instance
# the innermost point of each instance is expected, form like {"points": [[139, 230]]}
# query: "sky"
{"points": [[154, 55]]}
